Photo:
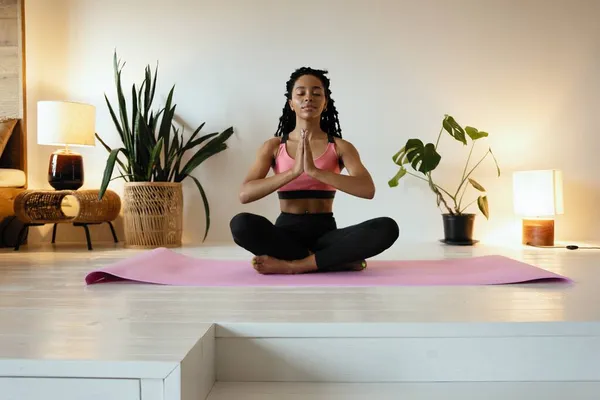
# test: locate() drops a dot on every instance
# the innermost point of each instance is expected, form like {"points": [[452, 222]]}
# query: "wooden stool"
{"points": [[41, 207]]}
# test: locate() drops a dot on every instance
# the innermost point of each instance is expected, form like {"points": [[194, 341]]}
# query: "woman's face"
{"points": [[308, 97]]}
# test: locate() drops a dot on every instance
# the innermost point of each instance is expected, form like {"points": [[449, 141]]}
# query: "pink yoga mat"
{"points": [[166, 267]]}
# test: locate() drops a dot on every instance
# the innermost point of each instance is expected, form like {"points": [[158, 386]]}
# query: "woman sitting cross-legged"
{"points": [[307, 155]]}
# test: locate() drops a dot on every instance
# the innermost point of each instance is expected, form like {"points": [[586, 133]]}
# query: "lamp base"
{"points": [[65, 171], [538, 232]]}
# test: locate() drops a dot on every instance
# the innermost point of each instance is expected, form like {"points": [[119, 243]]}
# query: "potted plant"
{"points": [[151, 161], [423, 159]]}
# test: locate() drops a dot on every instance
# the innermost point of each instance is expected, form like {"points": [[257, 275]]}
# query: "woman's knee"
{"points": [[241, 224], [386, 229]]}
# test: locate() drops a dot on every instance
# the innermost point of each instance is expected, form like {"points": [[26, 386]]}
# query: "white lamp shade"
{"points": [[66, 123], [538, 193]]}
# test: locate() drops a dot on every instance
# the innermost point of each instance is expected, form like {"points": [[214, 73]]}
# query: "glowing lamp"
{"points": [[62, 123], [538, 198]]}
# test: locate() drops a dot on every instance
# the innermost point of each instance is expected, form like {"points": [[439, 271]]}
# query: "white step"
{"points": [[405, 353], [409, 391]]}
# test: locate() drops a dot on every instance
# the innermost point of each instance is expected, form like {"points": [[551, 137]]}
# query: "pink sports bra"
{"points": [[304, 186]]}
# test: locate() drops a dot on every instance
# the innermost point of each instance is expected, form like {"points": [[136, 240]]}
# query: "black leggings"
{"points": [[294, 236]]}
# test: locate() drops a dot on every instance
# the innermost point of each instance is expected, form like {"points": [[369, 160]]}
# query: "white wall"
{"points": [[528, 72]]}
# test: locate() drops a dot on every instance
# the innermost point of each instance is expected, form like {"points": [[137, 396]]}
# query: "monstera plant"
{"points": [[420, 160], [154, 159]]}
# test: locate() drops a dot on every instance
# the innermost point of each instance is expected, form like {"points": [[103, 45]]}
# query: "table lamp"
{"points": [[538, 197], [62, 123]]}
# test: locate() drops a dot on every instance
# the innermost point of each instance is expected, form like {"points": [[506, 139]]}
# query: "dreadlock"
{"points": [[329, 118]]}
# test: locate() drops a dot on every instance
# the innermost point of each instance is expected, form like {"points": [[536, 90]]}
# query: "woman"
{"points": [[307, 155]]}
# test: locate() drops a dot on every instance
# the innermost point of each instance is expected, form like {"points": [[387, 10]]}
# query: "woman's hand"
{"points": [[309, 164], [298, 168]]}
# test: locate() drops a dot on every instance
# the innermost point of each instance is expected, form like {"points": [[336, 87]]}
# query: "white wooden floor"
{"points": [[47, 310], [45, 303], [45, 287], [48, 313]]}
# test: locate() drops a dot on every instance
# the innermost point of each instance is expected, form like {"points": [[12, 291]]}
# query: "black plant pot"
{"points": [[458, 229]]}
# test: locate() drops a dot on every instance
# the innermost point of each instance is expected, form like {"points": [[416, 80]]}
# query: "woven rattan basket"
{"points": [[153, 214]]}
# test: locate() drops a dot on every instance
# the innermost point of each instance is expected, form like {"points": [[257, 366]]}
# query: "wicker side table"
{"points": [[40, 207]]}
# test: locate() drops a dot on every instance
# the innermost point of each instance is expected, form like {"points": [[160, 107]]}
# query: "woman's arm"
{"points": [[256, 185], [358, 183]]}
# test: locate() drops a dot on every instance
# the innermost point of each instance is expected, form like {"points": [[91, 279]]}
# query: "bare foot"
{"points": [[268, 265]]}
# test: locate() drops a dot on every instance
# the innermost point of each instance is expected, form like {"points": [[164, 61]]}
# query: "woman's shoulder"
{"points": [[272, 142], [270, 147], [344, 146]]}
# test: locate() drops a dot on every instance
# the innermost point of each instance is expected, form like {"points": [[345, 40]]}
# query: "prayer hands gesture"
{"points": [[309, 164], [299, 165], [304, 157]]}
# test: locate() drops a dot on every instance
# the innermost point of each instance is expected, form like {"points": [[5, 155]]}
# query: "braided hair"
{"points": [[330, 123]]}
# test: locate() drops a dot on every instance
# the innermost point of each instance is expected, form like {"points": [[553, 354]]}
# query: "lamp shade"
{"points": [[62, 123], [538, 194]]}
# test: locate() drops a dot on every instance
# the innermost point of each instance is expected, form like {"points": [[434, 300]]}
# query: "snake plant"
{"points": [[153, 147]]}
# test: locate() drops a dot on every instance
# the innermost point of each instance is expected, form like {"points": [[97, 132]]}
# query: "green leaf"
{"points": [[153, 91], [206, 207], [154, 158], [198, 159], [423, 158], [122, 125], [121, 101], [213, 147], [108, 170], [400, 157], [147, 144], [175, 153], [199, 141], [476, 185], [177, 157], [109, 150], [140, 106], [482, 203], [115, 120], [102, 142], [497, 167], [136, 138], [454, 129], [394, 181], [474, 134], [120, 176], [196, 132], [147, 83], [167, 122], [134, 109]]}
